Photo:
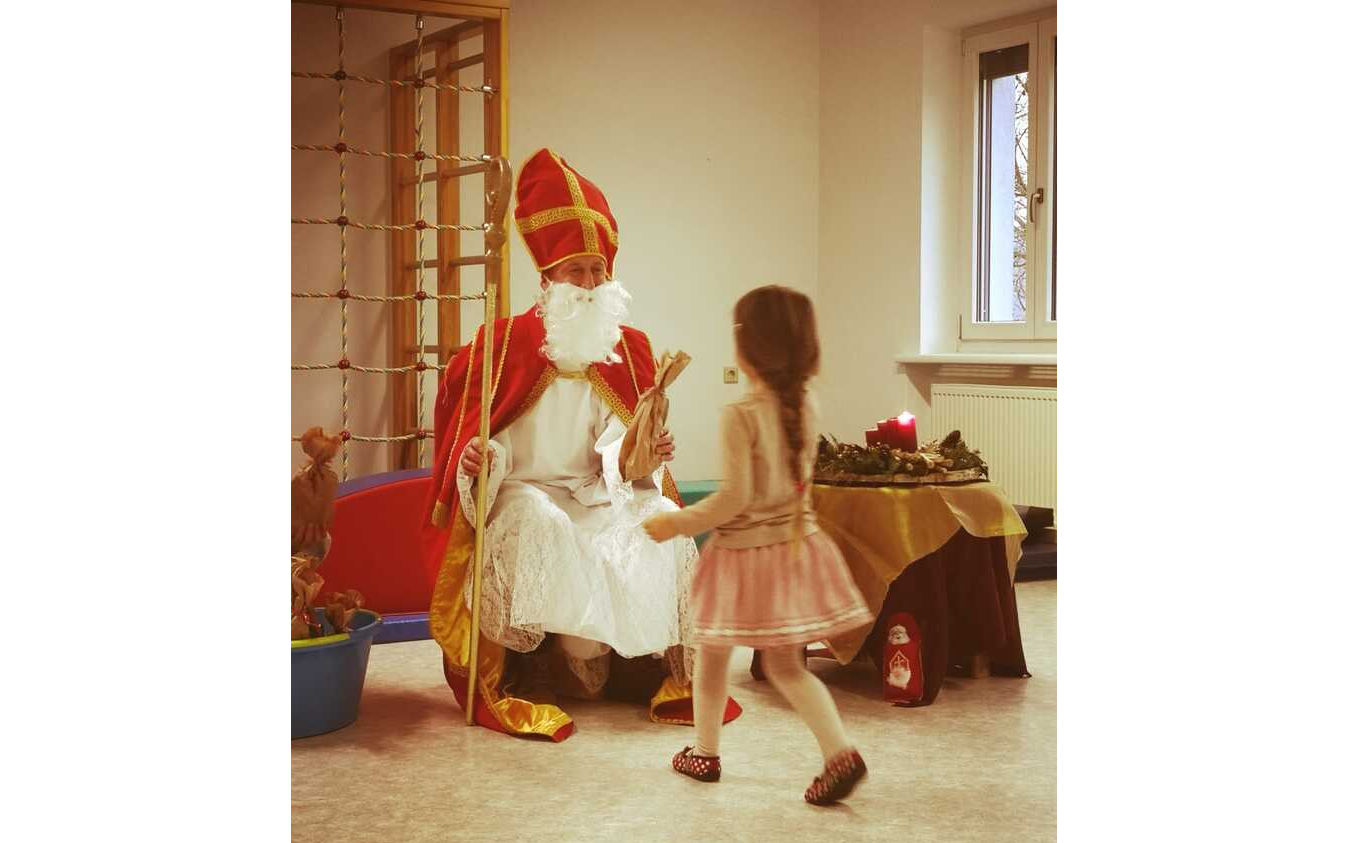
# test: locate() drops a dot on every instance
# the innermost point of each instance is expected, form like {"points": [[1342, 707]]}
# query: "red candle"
{"points": [[890, 432], [908, 432], [873, 437]]}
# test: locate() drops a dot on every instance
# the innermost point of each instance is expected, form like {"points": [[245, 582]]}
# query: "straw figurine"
{"points": [[313, 494]]}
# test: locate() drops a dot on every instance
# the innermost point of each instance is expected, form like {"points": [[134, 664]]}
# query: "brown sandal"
{"points": [[842, 774], [705, 768]]}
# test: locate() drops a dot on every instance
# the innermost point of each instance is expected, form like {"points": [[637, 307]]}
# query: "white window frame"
{"points": [[1045, 150], [1039, 38]]}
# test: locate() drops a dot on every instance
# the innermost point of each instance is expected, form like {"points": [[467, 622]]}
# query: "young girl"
{"points": [[768, 578]]}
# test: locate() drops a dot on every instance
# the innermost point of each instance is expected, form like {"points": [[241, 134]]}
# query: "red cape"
{"points": [[520, 375]]}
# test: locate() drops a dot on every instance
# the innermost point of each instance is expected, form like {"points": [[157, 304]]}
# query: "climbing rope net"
{"points": [[421, 226]]}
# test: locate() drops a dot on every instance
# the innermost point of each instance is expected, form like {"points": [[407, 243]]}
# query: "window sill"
{"points": [[976, 359], [979, 367]]}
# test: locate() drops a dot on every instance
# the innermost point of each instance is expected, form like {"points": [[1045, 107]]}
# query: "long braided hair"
{"points": [[776, 336]]}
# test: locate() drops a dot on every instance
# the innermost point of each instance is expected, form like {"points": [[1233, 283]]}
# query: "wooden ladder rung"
{"points": [[456, 172], [453, 35], [450, 173], [467, 61], [472, 260]]}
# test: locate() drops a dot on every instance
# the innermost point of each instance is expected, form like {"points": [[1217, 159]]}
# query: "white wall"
{"points": [[700, 121], [941, 186], [870, 142]]}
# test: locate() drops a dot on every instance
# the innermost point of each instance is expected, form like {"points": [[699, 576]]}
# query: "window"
{"points": [[1010, 82]]}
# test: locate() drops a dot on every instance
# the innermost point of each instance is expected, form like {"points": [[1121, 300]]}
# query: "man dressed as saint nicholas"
{"points": [[576, 599]]}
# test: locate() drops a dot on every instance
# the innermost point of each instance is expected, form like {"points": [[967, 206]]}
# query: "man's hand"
{"points": [[473, 457], [665, 446], [660, 527]]}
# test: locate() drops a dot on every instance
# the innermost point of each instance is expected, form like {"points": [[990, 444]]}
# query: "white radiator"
{"points": [[1013, 428]]}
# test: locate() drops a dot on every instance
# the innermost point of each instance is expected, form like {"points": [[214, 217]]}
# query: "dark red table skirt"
{"points": [[964, 602]]}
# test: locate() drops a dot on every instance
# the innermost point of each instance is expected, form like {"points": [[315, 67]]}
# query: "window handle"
{"points": [[1037, 198]]}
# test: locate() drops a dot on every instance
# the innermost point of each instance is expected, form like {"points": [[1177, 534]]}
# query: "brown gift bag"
{"points": [[637, 455], [313, 493]]}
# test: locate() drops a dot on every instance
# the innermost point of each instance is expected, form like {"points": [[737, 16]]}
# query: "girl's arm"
{"points": [[732, 497]]}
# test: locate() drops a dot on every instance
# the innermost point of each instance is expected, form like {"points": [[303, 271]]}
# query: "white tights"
{"points": [[786, 669]]}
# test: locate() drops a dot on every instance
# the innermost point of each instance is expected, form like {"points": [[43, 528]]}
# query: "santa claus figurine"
{"points": [[572, 586], [902, 670]]}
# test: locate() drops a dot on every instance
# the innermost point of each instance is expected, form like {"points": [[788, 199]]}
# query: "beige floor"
{"points": [[979, 764]]}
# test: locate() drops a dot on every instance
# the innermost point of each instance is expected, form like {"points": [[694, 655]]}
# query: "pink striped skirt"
{"points": [[768, 596]]}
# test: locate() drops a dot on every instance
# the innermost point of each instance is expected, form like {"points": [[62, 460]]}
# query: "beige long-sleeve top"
{"points": [[758, 502]]}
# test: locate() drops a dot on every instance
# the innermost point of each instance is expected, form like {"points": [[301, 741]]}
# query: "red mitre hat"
{"points": [[561, 214]]}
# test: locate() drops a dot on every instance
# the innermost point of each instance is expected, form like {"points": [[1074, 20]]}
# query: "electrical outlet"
{"points": [[730, 375]]}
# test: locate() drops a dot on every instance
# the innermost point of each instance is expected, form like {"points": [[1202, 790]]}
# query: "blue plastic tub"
{"points": [[327, 676]]}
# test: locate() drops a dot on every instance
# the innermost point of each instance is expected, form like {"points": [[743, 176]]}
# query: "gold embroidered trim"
{"points": [[610, 397], [553, 216], [628, 356], [572, 376], [650, 351], [501, 364], [573, 186], [588, 234], [546, 267], [468, 378], [463, 399]]}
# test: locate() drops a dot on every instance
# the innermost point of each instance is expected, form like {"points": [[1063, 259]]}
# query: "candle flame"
{"points": [[906, 417]]}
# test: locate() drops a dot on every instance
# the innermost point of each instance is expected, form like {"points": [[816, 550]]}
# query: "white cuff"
{"points": [[620, 490]]}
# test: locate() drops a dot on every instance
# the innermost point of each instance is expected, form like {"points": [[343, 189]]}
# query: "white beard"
{"points": [[581, 327]]}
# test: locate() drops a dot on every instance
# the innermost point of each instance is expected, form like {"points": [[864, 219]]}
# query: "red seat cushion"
{"points": [[377, 543]]}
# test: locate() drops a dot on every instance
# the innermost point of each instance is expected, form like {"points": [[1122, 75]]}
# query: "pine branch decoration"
{"points": [[950, 454]]}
